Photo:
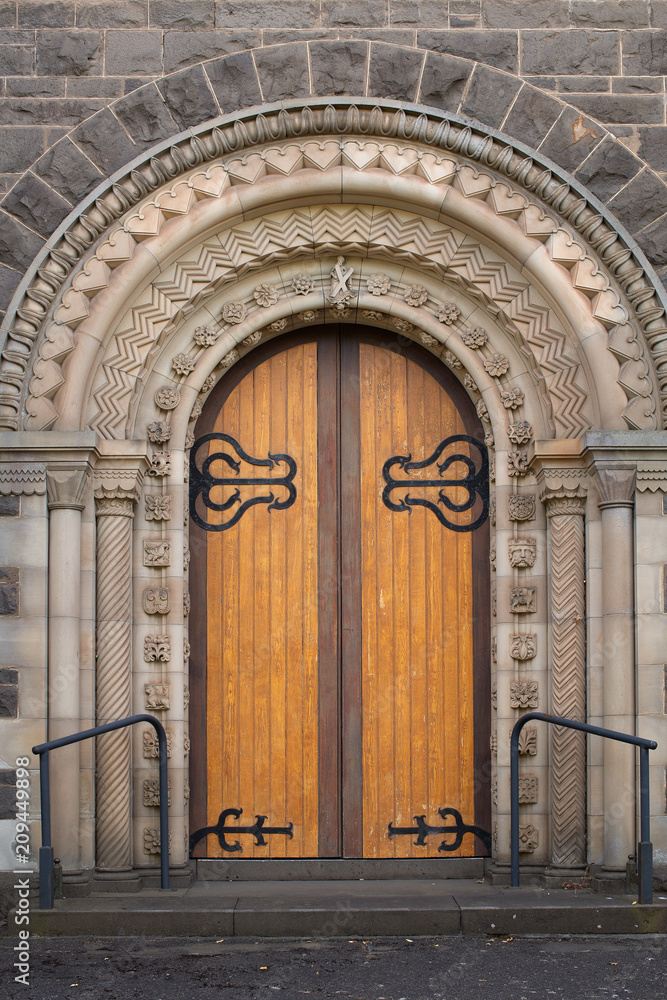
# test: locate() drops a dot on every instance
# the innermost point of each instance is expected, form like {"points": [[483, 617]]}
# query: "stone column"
{"points": [[66, 488], [565, 503], [617, 486], [115, 510]]}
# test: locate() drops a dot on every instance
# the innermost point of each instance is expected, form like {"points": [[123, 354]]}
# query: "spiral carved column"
{"points": [[113, 685], [565, 513]]}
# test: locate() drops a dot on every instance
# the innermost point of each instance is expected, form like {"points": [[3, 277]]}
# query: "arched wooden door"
{"points": [[339, 631]]}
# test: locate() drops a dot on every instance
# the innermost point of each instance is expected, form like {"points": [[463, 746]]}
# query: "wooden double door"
{"points": [[339, 626]]}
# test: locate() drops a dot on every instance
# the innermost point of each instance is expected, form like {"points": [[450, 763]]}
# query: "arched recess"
{"points": [[443, 232]]}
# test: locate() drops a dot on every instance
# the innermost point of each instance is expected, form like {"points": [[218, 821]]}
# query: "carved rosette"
{"points": [[114, 509], [565, 507]]}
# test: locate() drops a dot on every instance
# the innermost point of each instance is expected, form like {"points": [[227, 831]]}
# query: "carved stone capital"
{"points": [[616, 485], [563, 490], [66, 486], [116, 491], [22, 478]]}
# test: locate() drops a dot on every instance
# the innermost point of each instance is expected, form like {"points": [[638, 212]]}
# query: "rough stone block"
{"points": [[188, 97], [609, 13], [9, 590], [69, 53], [36, 204], [519, 14], [659, 14], [47, 111], [96, 86], [188, 15], [396, 36], [531, 116], [266, 13], [338, 67], [7, 774], [183, 48], [567, 52], [40, 14], [112, 14], [15, 60], [443, 81], [636, 85], [653, 146], [7, 15], [68, 171], [495, 48], [35, 86], [489, 96], [641, 202], [9, 507], [283, 72], [394, 72], [20, 147], [105, 142], [571, 139], [9, 706], [644, 53], [278, 36], [608, 169], [544, 82], [133, 53], [18, 245], [354, 13], [234, 81], [653, 241], [583, 84], [7, 795], [419, 13], [145, 116], [622, 108], [9, 280]]}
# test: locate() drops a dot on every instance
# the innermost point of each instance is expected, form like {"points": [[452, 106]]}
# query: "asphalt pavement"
{"points": [[632, 967]]}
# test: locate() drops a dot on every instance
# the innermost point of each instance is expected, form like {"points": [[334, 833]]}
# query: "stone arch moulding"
{"points": [[162, 249]]}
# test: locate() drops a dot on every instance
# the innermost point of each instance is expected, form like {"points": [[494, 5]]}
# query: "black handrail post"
{"points": [[645, 847], [46, 857], [46, 865]]}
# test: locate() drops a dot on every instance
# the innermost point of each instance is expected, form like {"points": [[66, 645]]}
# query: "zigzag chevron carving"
{"points": [[568, 677]]}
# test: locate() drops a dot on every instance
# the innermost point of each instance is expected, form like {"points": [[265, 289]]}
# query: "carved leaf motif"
{"points": [[309, 316], [511, 398], [371, 314], [158, 506], [302, 284], [252, 338], [528, 741], [278, 325], [157, 648], [152, 792], [528, 839], [448, 313], [427, 340], [204, 336], [523, 694], [517, 463], [230, 358], [452, 360], [475, 337], [160, 464], [156, 601], [151, 744], [402, 324], [523, 646], [158, 432], [183, 364]]}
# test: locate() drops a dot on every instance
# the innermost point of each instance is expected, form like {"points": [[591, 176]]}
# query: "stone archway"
{"points": [[448, 235]]}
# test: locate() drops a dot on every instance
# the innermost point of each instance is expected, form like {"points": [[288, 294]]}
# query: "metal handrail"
{"points": [[644, 847], [46, 856]]}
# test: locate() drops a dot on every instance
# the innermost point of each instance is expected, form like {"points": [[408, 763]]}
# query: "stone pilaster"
{"points": [[115, 496], [565, 502], [67, 487]]}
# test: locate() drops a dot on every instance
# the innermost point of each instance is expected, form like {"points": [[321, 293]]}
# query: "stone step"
{"points": [[258, 869], [358, 908]]}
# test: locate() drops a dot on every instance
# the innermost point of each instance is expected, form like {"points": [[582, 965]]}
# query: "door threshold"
{"points": [[278, 869]]}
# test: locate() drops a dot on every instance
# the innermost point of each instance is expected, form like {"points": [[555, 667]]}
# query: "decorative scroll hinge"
{"points": [[258, 830], [459, 828]]}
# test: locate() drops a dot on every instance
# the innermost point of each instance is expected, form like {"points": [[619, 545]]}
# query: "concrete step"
{"points": [[350, 869], [349, 909]]}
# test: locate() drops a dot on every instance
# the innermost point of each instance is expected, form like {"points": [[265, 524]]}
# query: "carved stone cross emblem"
{"points": [[340, 277]]}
